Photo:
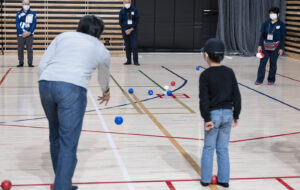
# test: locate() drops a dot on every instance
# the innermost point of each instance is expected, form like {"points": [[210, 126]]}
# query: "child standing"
{"points": [[220, 106]]}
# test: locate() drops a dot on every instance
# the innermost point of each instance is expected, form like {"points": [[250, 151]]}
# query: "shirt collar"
{"points": [[27, 11]]}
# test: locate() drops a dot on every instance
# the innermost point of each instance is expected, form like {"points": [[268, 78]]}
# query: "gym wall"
{"points": [[176, 25], [292, 44], [57, 16]]}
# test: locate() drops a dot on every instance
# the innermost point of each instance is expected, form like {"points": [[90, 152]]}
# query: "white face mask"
{"points": [[127, 5], [26, 7], [273, 16]]}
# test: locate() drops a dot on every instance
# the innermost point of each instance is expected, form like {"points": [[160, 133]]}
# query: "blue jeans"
{"points": [[64, 105], [217, 138]]}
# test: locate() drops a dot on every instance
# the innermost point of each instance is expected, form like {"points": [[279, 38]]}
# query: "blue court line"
{"points": [[122, 105], [269, 97], [265, 94], [185, 81]]}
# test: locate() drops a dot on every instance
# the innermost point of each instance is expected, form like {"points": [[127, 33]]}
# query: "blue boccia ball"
{"points": [[169, 93], [198, 68], [130, 90], [150, 92], [118, 120]]}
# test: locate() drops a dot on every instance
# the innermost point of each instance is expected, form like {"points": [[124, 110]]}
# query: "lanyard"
{"points": [[129, 15], [273, 28]]}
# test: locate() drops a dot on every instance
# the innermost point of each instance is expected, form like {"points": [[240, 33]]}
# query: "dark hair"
{"points": [[274, 10], [217, 58], [91, 25]]}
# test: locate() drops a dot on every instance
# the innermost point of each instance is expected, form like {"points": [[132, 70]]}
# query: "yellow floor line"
{"points": [[127, 96], [185, 106]]}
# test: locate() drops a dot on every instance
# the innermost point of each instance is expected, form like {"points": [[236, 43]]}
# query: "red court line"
{"points": [[286, 76], [116, 133], [145, 135], [284, 184], [3, 78], [160, 136], [157, 181], [261, 178], [24, 126], [266, 137], [170, 185]]}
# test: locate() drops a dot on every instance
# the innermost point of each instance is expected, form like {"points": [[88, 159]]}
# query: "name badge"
{"points": [[277, 27], [270, 37], [129, 22], [132, 13], [29, 18]]}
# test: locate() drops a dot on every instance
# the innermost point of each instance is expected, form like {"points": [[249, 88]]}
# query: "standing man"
{"points": [[25, 23], [129, 19], [64, 74]]}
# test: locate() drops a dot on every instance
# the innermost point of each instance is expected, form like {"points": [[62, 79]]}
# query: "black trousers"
{"points": [[273, 56], [28, 42], [131, 46]]}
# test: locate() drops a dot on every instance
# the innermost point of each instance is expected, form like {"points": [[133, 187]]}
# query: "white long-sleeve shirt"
{"points": [[72, 57]]}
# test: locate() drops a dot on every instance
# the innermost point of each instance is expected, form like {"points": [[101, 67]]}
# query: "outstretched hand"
{"points": [[105, 97]]}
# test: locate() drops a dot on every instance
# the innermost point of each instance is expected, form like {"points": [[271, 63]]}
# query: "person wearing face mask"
{"points": [[129, 19], [271, 44], [25, 23], [64, 73]]}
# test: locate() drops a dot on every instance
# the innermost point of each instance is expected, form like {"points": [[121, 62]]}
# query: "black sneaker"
{"points": [[127, 63], [223, 184], [30, 65], [19, 65], [204, 184], [137, 64]]}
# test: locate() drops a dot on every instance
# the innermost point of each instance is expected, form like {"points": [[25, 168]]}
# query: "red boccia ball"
{"points": [[214, 180], [6, 185]]}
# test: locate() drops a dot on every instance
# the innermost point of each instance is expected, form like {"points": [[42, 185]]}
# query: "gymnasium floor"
{"points": [[158, 147]]}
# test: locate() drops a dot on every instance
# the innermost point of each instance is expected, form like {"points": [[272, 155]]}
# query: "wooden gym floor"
{"points": [[158, 147]]}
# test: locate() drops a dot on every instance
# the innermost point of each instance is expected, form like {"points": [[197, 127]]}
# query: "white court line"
{"points": [[112, 144], [228, 57]]}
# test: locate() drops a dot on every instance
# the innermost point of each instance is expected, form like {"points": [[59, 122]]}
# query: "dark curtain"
{"points": [[240, 21]]}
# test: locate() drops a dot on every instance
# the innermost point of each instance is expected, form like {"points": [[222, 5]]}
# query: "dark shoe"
{"points": [[223, 184], [73, 187], [127, 63], [204, 184], [271, 83], [257, 83], [137, 64], [19, 65], [30, 65]]}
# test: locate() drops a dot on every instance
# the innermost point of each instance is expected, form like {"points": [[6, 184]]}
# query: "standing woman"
{"points": [[271, 44], [64, 74]]}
